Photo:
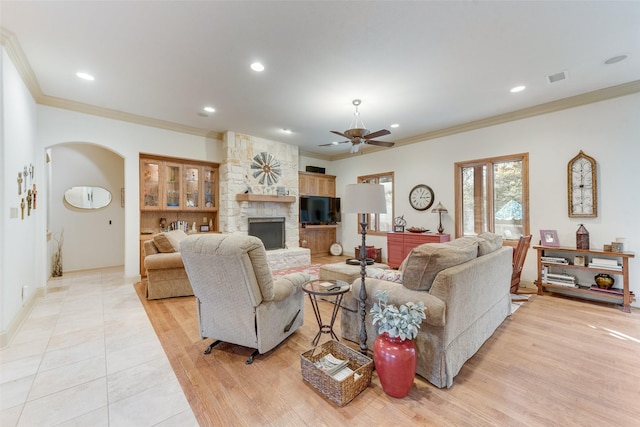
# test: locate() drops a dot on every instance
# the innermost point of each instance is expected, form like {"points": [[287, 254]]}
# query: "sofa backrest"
{"points": [[424, 262], [166, 242]]}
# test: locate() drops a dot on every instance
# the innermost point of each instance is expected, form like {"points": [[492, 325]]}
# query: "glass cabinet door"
{"points": [[210, 179], [150, 185], [192, 186], [172, 185]]}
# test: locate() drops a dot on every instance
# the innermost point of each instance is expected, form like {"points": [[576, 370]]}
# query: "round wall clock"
{"points": [[335, 249], [421, 197], [582, 186], [266, 168]]}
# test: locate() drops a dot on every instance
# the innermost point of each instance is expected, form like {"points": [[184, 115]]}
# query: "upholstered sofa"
{"points": [[465, 286], [166, 276]]}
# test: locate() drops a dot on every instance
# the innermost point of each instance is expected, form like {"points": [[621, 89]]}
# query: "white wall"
{"points": [[607, 131], [128, 140], [20, 252], [93, 238]]}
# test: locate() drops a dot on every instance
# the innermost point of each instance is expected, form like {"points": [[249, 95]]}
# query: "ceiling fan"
{"points": [[358, 134]]}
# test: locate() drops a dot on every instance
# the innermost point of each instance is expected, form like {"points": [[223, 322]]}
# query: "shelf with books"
{"points": [[554, 264]]}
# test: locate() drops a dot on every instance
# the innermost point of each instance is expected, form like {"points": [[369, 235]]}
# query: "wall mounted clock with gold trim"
{"points": [[421, 197], [582, 187]]}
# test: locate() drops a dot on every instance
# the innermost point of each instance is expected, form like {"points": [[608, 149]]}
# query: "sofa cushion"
{"points": [[175, 237], [385, 274], [425, 262], [162, 243], [489, 242]]}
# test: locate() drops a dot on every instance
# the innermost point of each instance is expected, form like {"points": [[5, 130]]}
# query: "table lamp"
{"points": [[364, 199], [439, 209]]}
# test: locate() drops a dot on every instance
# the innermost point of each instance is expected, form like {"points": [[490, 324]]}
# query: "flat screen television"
{"points": [[316, 210]]}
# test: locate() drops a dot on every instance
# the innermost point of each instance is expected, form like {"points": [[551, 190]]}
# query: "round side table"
{"points": [[325, 288]]}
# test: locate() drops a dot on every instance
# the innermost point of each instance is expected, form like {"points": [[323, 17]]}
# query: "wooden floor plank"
{"points": [[555, 361]]}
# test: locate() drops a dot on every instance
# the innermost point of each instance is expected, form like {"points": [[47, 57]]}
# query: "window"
{"points": [[493, 195], [380, 223]]}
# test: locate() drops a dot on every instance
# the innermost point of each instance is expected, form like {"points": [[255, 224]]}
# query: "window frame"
{"points": [[489, 163], [375, 177]]}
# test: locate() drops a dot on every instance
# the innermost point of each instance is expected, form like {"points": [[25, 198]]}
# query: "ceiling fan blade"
{"points": [[340, 133], [381, 143], [382, 132], [333, 143]]}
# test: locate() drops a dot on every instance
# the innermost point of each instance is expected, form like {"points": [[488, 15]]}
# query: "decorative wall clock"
{"points": [[582, 187], [267, 169], [421, 197]]}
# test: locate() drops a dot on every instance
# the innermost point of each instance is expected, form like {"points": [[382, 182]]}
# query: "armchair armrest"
{"points": [[289, 284], [398, 294]]}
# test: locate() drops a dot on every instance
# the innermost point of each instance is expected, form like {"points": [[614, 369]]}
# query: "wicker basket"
{"points": [[339, 392]]}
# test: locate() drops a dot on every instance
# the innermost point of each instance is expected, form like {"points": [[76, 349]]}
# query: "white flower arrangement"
{"points": [[402, 322]]}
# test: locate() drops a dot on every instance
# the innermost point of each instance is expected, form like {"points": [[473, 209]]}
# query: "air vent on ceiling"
{"points": [[557, 77]]}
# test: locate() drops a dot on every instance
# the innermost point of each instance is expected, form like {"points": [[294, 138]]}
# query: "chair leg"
{"points": [[213, 344], [250, 359]]}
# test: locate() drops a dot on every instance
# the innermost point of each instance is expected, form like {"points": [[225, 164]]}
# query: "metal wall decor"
{"points": [[582, 187], [267, 169]]}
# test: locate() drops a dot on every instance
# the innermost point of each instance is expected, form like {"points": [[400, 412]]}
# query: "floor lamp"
{"points": [[364, 199]]}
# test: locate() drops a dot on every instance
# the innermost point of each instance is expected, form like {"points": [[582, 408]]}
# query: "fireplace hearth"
{"points": [[271, 230]]}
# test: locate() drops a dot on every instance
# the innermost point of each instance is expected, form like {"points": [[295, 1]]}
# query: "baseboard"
{"points": [[7, 335]]}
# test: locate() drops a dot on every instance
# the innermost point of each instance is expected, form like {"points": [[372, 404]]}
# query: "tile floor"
{"points": [[87, 355]]}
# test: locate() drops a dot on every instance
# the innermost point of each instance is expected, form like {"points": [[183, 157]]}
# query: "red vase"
{"points": [[396, 361]]}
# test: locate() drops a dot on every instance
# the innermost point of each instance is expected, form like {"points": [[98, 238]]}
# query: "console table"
{"points": [[584, 290], [400, 244]]}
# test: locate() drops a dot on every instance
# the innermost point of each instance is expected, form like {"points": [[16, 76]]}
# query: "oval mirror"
{"points": [[85, 197]]}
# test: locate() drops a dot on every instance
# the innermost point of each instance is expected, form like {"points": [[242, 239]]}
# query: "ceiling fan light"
{"points": [[395, 125]]}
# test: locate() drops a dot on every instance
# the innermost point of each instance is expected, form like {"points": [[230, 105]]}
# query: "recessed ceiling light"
{"points": [[85, 76], [286, 130], [518, 89], [256, 66], [395, 125], [615, 59], [209, 109]]}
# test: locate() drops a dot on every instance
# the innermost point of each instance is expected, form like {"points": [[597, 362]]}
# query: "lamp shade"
{"points": [[364, 198], [439, 209]]}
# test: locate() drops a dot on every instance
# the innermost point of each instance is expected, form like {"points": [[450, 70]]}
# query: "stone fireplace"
{"points": [[270, 230], [240, 174]]}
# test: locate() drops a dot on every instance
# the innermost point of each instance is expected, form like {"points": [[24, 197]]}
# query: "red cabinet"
{"points": [[400, 244]]}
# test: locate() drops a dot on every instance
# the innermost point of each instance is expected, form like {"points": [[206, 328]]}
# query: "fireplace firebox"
{"points": [[270, 230]]}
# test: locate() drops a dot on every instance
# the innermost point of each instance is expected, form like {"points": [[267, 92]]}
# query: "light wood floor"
{"points": [[555, 361]]}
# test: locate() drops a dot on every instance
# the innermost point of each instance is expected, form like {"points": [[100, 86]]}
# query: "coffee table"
{"points": [[324, 289]]}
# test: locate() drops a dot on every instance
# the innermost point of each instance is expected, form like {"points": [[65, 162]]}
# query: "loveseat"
{"points": [[166, 276], [464, 285]]}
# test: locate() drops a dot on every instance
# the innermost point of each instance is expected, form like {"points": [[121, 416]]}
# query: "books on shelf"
{"points": [[604, 261], [615, 267], [554, 260]]}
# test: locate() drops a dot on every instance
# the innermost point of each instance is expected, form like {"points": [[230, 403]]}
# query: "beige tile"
{"points": [[72, 354], [183, 419], [9, 417], [128, 382], [68, 339], [65, 405], [15, 392], [20, 350], [65, 377], [149, 407], [19, 368], [134, 355], [97, 418]]}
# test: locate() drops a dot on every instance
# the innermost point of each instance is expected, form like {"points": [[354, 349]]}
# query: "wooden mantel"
{"points": [[264, 198]]}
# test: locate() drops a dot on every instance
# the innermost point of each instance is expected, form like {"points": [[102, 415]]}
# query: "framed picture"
{"points": [[398, 228], [549, 238], [204, 228]]}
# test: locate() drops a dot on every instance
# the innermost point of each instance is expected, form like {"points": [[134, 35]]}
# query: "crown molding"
{"points": [[80, 107], [10, 43]]}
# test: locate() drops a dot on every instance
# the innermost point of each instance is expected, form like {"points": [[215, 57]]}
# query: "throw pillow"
{"points": [[489, 242], [162, 243], [425, 262], [388, 275], [175, 237]]}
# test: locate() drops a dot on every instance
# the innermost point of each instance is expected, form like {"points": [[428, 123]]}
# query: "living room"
{"points": [[605, 129]]}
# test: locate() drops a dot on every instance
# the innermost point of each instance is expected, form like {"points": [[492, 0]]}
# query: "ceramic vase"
{"points": [[395, 361]]}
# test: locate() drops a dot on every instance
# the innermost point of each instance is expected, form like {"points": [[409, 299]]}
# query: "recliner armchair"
{"points": [[237, 299]]}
